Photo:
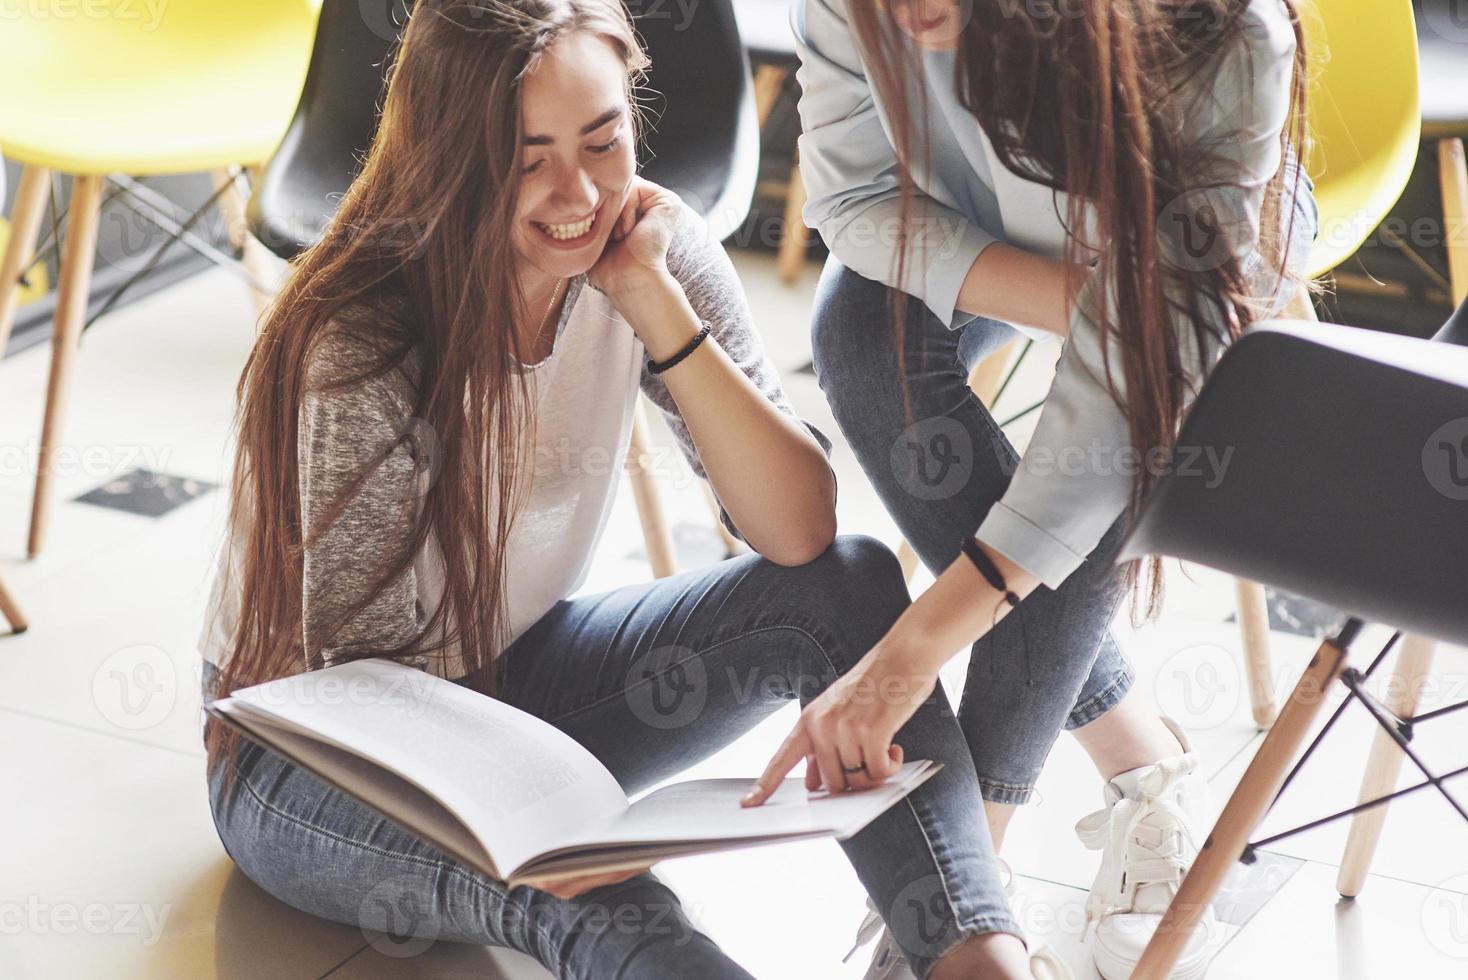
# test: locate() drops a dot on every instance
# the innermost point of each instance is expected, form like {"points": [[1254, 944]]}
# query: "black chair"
{"points": [[298, 190], [1347, 481], [702, 140], [702, 136]]}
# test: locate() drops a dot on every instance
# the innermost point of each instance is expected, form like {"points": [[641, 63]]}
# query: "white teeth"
{"points": [[566, 232]]}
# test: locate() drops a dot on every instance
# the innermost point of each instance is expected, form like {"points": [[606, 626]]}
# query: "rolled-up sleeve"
{"points": [[850, 172], [1075, 476]]}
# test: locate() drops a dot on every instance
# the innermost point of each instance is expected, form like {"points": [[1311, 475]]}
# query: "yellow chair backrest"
{"points": [[114, 40], [1364, 117]]}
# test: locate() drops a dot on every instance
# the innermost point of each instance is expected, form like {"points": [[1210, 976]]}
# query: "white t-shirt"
{"points": [[583, 395]]}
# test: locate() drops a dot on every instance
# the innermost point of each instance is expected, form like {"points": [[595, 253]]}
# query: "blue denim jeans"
{"points": [[1051, 664], [651, 678]]}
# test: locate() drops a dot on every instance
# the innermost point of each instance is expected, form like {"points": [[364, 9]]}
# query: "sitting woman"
{"points": [[430, 427]]}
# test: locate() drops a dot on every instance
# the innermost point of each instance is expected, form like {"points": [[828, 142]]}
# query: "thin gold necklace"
{"points": [[550, 305]]}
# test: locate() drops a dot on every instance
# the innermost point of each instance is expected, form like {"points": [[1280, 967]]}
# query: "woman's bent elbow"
{"points": [[806, 546]]}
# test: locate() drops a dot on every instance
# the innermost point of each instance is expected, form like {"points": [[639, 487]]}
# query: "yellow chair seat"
{"points": [[155, 87], [1364, 116]]}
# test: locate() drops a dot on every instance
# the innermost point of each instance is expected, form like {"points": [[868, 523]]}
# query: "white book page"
{"points": [[709, 810], [394, 797], [520, 785]]}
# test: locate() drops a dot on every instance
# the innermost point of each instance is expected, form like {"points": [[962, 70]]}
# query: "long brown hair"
{"points": [[417, 265], [1084, 96]]}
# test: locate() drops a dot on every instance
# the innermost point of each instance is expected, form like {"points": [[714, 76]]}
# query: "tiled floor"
{"points": [[112, 867]]}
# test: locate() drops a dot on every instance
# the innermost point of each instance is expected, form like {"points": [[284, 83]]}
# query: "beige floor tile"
{"points": [[1394, 930], [113, 869], [111, 646]]}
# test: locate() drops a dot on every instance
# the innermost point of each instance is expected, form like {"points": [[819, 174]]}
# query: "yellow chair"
{"points": [[113, 86], [1365, 117]]}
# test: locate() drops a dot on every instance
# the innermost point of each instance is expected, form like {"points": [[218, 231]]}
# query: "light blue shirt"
{"points": [[1075, 477]]}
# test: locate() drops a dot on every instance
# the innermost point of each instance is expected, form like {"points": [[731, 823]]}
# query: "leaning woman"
{"points": [[1120, 173]]}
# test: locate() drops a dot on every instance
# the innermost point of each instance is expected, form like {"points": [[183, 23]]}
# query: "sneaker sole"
{"points": [[1111, 968]]}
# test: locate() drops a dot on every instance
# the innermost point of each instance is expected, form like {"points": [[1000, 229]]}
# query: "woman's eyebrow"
{"points": [[590, 127]]}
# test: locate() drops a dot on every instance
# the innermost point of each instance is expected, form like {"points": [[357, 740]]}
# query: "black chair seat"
{"points": [[1341, 473], [702, 139], [322, 150]]}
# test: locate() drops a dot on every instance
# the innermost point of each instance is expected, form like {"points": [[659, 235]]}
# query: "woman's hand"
{"points": [[845, 735], [569, 888], [853, 722], [637, 249]]}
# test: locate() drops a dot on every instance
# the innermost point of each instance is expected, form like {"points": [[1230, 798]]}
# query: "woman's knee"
{"points": [[856, 590], [845, 342]]}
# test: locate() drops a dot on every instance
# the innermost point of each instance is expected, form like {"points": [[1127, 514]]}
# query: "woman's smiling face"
{"points": [[578, 159]]}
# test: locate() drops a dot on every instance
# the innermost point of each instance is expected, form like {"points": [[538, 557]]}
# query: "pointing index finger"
{"points": [[796, 747]]}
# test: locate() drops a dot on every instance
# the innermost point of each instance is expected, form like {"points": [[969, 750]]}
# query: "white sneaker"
{"points": [[1046, 964], [888, 962], [1154, 822]]}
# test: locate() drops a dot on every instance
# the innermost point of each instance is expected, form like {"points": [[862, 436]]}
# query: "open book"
{"points": [[507, 793]]}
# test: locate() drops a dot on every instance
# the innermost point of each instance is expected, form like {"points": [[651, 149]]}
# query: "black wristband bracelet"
{"points": [[988, 569], [698, 338]]}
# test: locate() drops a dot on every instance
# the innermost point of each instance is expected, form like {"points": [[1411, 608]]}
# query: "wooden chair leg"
{"points": [[1383, 765], [20, 249], [72, 291], [1242, 813], [655, 534], [256, 259], [988, 374], [908, 559], [1454, 179], [795, 238], [731, 543], [769, 82], [10, 610], [1253, 610]]}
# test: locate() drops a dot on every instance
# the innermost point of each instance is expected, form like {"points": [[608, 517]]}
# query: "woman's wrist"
{"points": [[654, 305], [1043, 301], [958, 609]]}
